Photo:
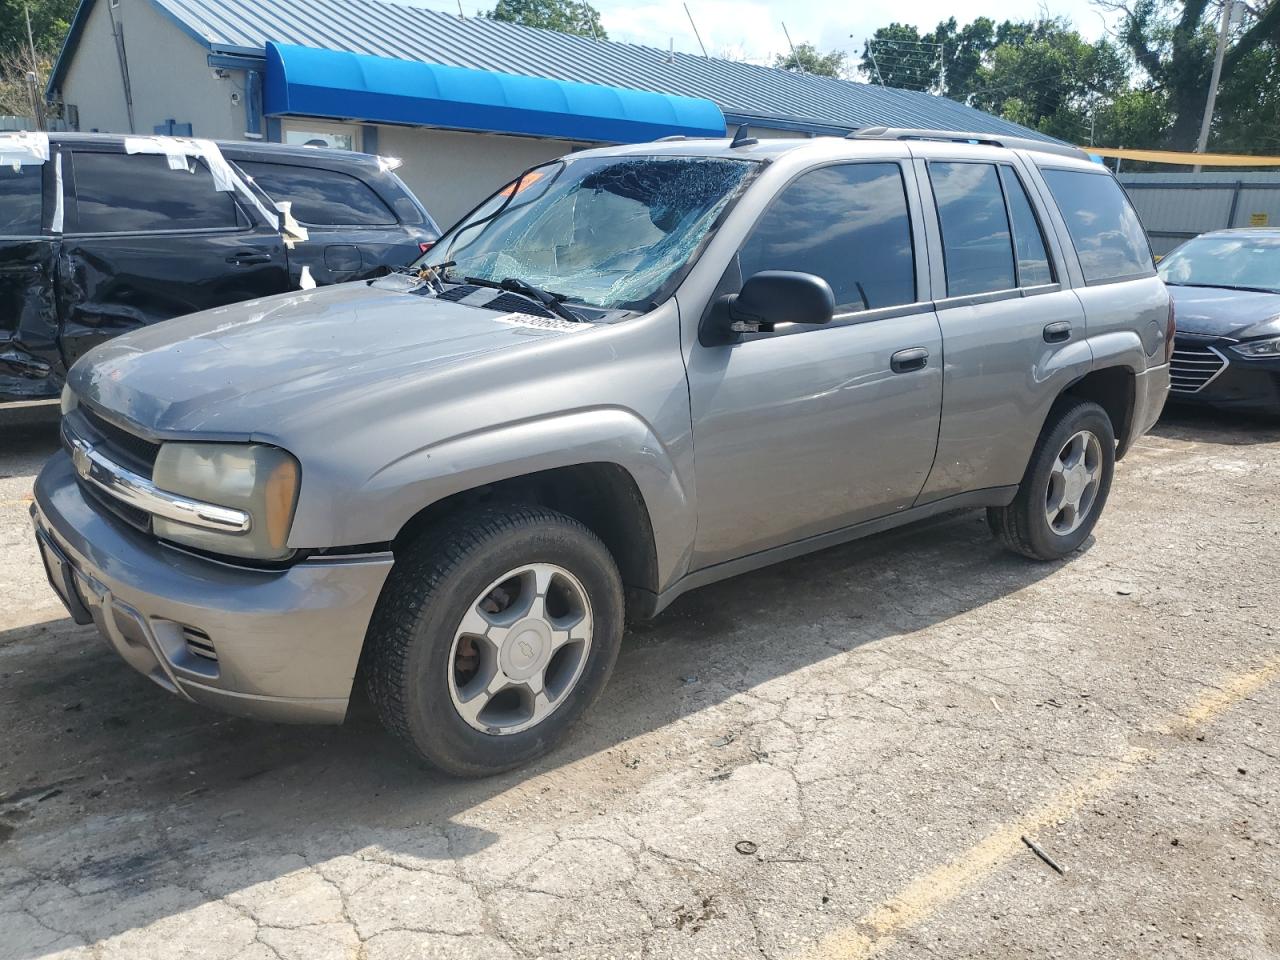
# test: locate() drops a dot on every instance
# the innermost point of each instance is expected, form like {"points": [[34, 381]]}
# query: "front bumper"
{"points": [[1239, 383], [277, 645]]}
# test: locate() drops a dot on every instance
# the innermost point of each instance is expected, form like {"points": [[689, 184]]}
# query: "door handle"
{"points": [[247, 257], [1059, 332], [913, 358]]}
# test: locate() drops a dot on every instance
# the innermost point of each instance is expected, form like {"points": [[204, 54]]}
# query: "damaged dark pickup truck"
{"points": [[101, 234]]}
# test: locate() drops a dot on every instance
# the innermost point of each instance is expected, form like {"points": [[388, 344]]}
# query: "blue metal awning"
{"points": [[304, 81]]}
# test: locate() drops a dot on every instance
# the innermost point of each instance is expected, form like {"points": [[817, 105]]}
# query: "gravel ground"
{"points": [[836, 757]]}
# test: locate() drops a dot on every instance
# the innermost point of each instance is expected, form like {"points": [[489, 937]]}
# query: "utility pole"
{"points": [[787, 34], [695, 30], [1228, 11], [33, 76]]}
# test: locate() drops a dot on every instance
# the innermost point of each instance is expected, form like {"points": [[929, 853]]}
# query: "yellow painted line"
{"points": [[917, 901]]}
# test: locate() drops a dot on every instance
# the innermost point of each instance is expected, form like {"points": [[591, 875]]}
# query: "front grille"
{"points": [[138, 519], [1195, 364], [122, 446]]}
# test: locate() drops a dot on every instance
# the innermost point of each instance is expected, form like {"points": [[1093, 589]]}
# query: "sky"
{"points": [[752, 29]]}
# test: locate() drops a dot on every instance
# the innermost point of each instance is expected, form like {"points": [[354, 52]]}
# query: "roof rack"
{"points": [[961, 136]]}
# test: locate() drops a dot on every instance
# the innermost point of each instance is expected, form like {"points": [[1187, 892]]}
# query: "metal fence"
{"points": [[8, 123], [1178, 206]]}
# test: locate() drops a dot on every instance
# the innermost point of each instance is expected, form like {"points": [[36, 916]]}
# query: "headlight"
{"points": [[69, 400], [261, 480], [1259, 349]]}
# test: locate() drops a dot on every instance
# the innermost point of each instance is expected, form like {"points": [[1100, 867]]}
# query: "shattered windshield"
{"points": [[604, 231]]}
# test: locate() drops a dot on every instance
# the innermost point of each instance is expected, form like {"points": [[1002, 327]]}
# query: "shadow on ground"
{"points": [[112, 788], [162, 792]]}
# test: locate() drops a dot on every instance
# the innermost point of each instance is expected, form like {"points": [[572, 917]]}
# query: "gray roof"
{"points": [[743, 91]]}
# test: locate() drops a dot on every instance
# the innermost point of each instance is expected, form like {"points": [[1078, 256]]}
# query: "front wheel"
{"points": [[1065, 485], [494, 633]]}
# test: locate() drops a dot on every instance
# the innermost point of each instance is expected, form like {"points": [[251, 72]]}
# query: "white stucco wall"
{"points": [[168, 71], [451, 172]]}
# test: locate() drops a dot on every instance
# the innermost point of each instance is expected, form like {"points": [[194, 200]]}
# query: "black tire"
{"points": [[1022, 526], [434, 581]]}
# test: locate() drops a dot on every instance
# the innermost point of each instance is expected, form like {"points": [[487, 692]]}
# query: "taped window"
{"points": [[321, 197], [143, 193], [20, 201]]}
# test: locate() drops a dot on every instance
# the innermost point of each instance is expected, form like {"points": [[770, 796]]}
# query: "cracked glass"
{"points": [[604, 231]]}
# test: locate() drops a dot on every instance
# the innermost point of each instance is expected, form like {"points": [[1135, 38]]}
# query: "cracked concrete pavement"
{"points": [[880, 722]]}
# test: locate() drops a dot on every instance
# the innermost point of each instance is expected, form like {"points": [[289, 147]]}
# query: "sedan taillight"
{"points": [[1170, 329], [426, 245]]}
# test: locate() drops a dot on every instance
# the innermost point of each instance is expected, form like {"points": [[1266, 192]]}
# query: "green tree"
{"points": [[897, 56], [807, 59], [564, 16], [1173, 41], [1052, 79], [49, 22]]}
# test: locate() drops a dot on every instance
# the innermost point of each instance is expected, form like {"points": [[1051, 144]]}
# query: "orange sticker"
{"points": [[524, 183]]}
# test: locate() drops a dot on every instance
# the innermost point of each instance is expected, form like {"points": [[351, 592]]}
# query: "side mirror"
{"points": [[771, 297]]}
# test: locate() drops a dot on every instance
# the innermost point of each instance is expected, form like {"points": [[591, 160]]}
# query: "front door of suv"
{"points": [[145, 242], [805, 430]]}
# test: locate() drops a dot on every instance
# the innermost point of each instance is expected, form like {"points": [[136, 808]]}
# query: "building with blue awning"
{"points": [[464, 102]]}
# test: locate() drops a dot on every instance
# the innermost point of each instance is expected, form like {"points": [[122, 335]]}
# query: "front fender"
{"points": [[392, 495]]}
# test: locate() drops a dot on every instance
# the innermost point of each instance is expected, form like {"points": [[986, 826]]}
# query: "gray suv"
{"points": [[630, 372]]}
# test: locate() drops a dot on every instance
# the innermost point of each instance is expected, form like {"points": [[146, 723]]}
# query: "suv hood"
{"points": [[1214, 312], [251, 367]]}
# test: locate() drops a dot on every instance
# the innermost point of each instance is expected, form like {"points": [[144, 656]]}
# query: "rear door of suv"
{"points": [[354, 230], [1013, 331], [144, 242]]}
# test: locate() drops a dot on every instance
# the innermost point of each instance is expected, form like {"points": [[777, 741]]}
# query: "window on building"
{"points": [[1104, 228], [337, 135], [847, 224], [1028, 240], [977, 248], [320, 196], [117, 193], [20, 201]]}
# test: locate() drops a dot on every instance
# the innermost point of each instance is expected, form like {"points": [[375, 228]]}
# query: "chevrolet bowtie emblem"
{"points": [[80, 460]]}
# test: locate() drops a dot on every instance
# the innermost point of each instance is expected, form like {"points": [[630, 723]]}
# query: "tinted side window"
{"points": [[20, 201], [118, 192], [1105, 231], [321, 196], [1028, 241], [847, 224], [976, 247]]}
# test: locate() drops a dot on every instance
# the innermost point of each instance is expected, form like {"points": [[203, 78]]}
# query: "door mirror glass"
{"points": [[771, 297]]}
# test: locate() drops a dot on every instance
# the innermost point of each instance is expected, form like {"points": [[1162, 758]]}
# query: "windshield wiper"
{"points": [[1224, 286], [552, 301]]}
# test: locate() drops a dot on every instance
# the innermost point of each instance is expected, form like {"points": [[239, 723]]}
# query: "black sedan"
{"points": [[1226, 290]]}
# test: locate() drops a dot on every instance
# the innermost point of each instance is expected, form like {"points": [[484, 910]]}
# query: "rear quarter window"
{"points": [[1105, 230], [321, 197]]}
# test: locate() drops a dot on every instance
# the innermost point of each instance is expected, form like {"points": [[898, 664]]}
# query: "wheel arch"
{"points": [[602, 496], [1114, 389]]}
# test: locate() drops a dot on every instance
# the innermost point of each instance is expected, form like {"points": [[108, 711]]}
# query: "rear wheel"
{"points": [[1065, 485], [493, 635]]}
